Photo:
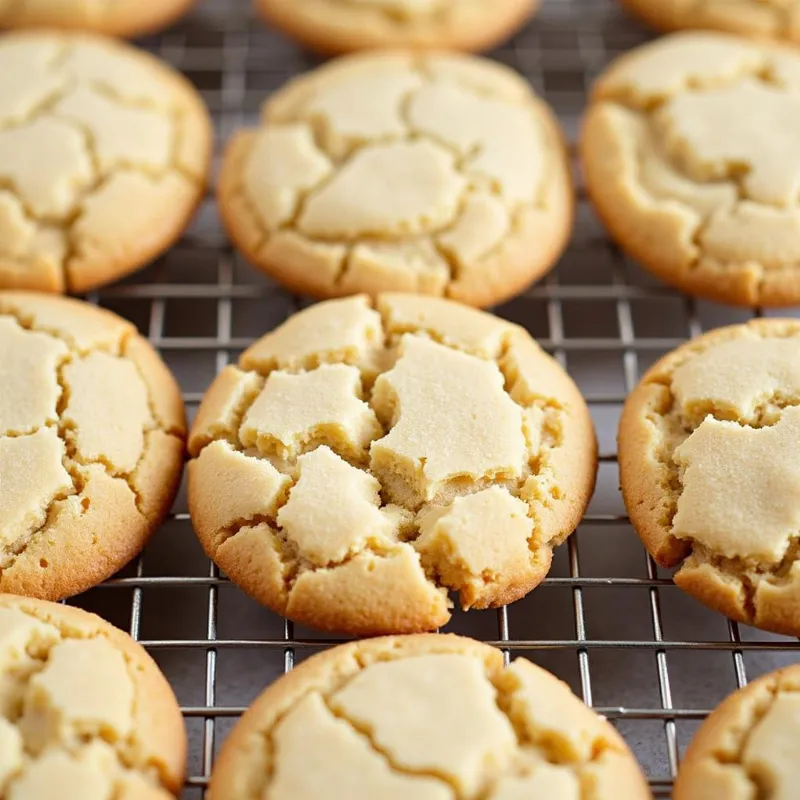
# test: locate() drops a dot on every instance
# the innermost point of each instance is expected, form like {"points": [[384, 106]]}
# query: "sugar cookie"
{"points": [[747, 747], [360, 462], [85, 713], [761, 19], [340, 26], [104, 152], [710, 474], [434, 174], [691, 150], [117, 18], [433, 717], [91, 444]]}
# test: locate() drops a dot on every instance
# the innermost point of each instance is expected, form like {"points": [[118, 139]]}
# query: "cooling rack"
{"points": [[607, 620]]}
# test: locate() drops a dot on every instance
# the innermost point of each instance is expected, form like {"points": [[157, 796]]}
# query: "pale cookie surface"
{"points": [[433, 717], [85, 713], [690, 149], [360, 462], [103, 158], [112, 17], [708, 461], [748, 747], [433, 174], [338, 26], [761, 19], [91, 444]]}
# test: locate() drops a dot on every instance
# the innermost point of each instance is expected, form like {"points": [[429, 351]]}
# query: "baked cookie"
{"points": [[747, 747], [433, 717], [360, 462], [118, 18], [762, 19], [91, 444], [85, 713], [710, 474], [439, 174], [103, 157], [701, 193], [340, 26]]}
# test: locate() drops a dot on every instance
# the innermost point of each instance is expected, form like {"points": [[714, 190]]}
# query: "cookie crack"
{"points": [[369, 738]]}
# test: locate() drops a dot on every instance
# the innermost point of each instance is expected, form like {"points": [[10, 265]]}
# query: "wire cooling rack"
{"points": [[607, 620]]}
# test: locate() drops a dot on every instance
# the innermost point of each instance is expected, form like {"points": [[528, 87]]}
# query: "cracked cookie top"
{"points": [[436, 174], [103, 157], [91, 444], [708, 461], [690, 149], [112, 17], [338, 26], [747, 747], [760, 19], [85, 713], [361, 461], [434, 717]]}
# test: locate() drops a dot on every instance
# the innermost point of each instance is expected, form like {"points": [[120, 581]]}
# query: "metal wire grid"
{"points": [[200, 305]]}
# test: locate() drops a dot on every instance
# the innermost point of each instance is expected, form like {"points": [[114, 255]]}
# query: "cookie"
{"points": [[85, 713], [120, 18], [709, 469], [341, 26], [432, 717], [760, 19], [690, 150], [439, 174], [91, 444], [360, 462], [104, 152], [746, 747]]}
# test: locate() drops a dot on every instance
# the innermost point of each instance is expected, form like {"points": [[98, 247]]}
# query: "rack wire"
{"points": [[607, 620]]}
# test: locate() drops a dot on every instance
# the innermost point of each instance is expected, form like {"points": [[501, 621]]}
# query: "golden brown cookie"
{"points": [[85, 713], [341, 26], [115, 18], [104, 152], [690, 149], [433, 717], [760, 19], [91, 444], [360, 462], [709, 469], [436, 174], [747, 747]]}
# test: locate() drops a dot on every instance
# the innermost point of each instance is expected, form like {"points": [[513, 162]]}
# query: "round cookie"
{"points": [[341, 26], [436, 174], [91, 444], [746, 747], [703, 195], [85, 713], [709, 469], [760, 19], [119, 18], [431, 717], [104, 153], [360, 462]]}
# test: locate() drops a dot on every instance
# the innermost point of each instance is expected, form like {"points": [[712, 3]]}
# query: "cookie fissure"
{"points": [[367, 734]]}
